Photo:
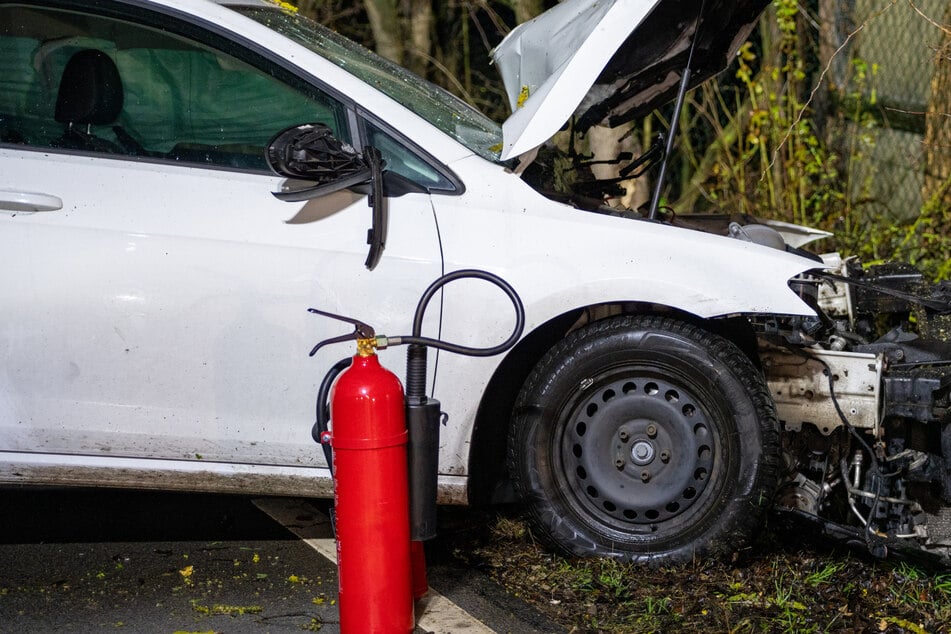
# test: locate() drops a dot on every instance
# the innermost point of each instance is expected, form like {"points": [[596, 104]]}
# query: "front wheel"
{"points": [[645, 438]]}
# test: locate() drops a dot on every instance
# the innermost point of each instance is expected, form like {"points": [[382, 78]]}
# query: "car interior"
{"points": [[85, 83]]}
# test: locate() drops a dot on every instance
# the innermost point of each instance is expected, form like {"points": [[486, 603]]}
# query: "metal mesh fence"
{"points": [[897, 40]]}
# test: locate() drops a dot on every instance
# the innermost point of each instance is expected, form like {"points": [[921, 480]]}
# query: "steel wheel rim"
{"points": [[637, 448]]}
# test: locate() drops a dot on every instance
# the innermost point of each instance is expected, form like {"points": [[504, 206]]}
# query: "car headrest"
{"points": [[90, 91]]}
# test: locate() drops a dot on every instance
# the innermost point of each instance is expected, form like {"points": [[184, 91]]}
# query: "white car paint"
{"points": [[157, 321], [175, 326]]}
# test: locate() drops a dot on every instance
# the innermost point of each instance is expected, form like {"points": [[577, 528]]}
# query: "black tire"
{"points": [[647, 439]]}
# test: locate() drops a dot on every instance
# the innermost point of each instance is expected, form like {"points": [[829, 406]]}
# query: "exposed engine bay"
{"points": [[863, 393]]}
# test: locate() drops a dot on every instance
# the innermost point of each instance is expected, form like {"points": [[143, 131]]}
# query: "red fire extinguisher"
{"points": [[371, 497], [383, 453]]}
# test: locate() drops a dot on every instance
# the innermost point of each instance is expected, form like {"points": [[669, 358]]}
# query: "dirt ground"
{"points": [[779, 584]]}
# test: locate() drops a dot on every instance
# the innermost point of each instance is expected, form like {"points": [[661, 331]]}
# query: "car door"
{"points": [[155, 291]]}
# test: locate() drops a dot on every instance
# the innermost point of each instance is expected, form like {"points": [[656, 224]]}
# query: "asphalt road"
{"points": [[93, 561]]}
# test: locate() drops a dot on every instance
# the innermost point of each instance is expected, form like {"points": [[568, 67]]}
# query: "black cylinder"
{"points": [[422, 422]]}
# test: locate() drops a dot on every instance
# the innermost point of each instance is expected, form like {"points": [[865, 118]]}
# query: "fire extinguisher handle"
{"points": [[361, 330]]}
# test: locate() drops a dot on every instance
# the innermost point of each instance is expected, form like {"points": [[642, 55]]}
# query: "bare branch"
{"points": [[946, 29]]}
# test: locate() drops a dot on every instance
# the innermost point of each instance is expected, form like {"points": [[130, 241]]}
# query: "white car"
{"points": [[669, 382]]}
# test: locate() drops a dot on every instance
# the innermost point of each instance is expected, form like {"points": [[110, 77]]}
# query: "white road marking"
{"points": [[434, 612]]}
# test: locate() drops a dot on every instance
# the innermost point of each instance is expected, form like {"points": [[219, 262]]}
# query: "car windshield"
{"points": [[444, 110]]}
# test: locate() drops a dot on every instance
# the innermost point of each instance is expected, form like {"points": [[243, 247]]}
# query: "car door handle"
{"points": [[28, 201]]}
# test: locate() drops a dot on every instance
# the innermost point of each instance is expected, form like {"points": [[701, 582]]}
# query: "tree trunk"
{"points": [[421, 29], [937, 181], [828, 43], [525, 10], [606, 144], [385, 23]]}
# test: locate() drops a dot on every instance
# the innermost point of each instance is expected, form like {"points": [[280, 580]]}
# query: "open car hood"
{"points": [[610, 61]]}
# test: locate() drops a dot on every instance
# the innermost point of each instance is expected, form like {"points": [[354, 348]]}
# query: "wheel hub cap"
{"points": [[642, 453], [637, 451]]}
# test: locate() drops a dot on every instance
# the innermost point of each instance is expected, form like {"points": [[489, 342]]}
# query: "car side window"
{"points": [[73, 81], [405, 162]]}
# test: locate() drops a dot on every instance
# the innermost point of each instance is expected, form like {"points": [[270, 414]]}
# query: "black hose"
{"points": [[415, 338], [417, 351], [323, 409]]}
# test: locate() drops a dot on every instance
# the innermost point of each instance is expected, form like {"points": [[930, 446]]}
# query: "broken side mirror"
{"points": [[311, 153]]}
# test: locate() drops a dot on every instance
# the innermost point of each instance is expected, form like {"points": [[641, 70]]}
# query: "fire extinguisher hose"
{"points": [[415, 338], [322, 424]]}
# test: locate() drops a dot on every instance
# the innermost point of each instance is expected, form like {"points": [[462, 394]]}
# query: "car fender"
{"points": [[560, 259]]}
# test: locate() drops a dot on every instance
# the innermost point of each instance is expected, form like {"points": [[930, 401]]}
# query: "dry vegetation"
{"points": [[778, 585]]}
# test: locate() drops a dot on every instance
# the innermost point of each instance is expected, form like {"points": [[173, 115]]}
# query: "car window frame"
{"points": [[364, 61]]}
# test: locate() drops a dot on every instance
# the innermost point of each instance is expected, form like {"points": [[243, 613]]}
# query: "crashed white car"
{"points": [[676, 377]]}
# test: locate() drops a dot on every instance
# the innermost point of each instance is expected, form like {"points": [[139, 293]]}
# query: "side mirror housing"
{"points": [[311, 152]]}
